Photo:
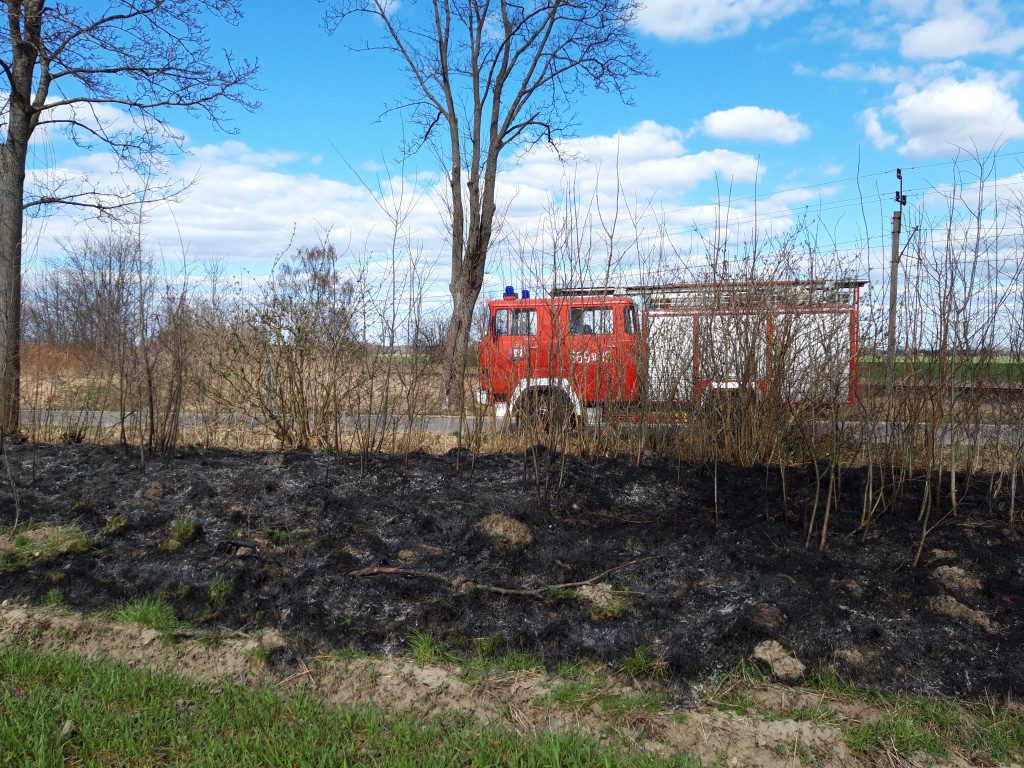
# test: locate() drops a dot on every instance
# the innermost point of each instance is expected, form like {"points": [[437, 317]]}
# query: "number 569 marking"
{"points": [[581, 357]]}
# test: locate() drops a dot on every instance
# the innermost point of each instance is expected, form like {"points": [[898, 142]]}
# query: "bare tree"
{"points": [[486, 76], [72, 67], [87, 297]]}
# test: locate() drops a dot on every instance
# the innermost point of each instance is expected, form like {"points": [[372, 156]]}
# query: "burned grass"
{"points": [[622, 562]]}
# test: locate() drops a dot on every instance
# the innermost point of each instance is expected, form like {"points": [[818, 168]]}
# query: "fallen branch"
{"points": [[457, 584], [406, 572], [601, 575]]}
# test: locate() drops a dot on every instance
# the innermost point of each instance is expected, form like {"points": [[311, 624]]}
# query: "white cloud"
{"points": [[646, 160], [905, 8], [947, 114], [244, 211], [873, 73], [239, 153], [874, 131], [797, 197], [844, 27], [702, 21], [755, 123], [645, 140], [956, 32]]}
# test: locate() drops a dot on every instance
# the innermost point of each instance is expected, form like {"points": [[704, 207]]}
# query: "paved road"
{"points": [[72, 420], [59, 421]]}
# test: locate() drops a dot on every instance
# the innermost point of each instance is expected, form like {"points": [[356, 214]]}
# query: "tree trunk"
{"points": [[24, 20], [469, 258], [465, 288], [12, 186]]}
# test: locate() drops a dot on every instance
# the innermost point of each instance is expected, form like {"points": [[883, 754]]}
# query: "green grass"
{"points": [[897, 731], [35, 544], [999, 369], [519, 661], [277, 536], [578, 685], [426, 649], [611, 610], [827, 681], [821, 712], [487, 659], [112, 715], [933, 727], [617, 705], [53, 599], [997, 732], [641, 664], [152, 611], [183, 531], [115, 525], [118, 716], [218, 592]]}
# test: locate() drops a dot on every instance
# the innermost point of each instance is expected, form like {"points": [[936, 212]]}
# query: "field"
{"points": [[989, 371], [654, 605]]}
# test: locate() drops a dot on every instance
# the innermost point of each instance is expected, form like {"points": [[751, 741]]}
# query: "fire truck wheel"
{"points": [[545, 411]]}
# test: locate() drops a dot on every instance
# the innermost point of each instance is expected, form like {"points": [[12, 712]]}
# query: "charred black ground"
{"points": [[698, 597]]}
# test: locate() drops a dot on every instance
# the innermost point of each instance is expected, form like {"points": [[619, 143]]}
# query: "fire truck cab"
{"points": [[556, 358]]}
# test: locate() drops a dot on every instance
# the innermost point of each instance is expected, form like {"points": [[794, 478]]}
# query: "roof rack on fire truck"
{"points": [[747, 293]]}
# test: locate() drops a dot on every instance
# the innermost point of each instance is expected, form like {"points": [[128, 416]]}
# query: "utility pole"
{"points": [[897, 222]]}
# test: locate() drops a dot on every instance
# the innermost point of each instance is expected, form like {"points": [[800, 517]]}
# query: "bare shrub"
{"points": [[285, 353], [113, 312]]}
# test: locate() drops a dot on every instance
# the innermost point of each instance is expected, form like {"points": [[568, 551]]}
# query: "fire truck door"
{"points": [[514, 356], [591, 356]]}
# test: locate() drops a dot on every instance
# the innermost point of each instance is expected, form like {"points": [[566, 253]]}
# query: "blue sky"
{"points": [[791, 100]]}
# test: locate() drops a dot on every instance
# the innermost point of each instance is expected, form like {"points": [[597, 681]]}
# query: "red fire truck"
{"points": [[580, 353]]}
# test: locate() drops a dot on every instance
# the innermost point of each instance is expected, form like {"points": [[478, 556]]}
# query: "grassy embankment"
{"points": [[61, 710]]}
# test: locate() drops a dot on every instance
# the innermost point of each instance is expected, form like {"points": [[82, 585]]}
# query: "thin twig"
{"points": [[595, 579], [537, 593], [303, 672], [406, 572]]}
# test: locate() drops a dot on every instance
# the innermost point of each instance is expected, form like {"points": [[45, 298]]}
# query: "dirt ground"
{"points": [[567, 558]]}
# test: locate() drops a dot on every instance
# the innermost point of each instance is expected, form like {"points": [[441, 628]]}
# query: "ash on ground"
{"points": [[569, 558]]}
